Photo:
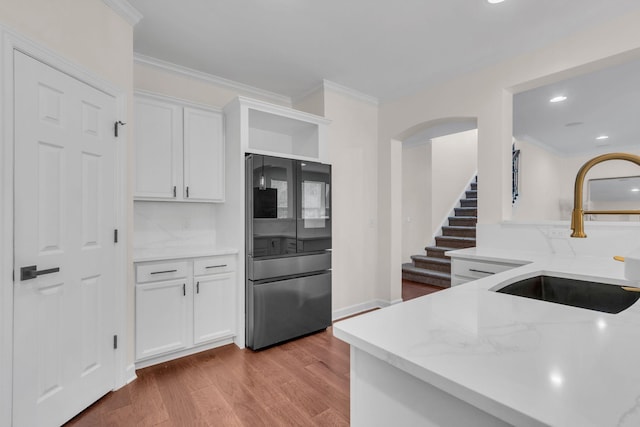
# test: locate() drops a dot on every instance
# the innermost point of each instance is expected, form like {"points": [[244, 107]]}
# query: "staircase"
{"points": [[435, 268]]}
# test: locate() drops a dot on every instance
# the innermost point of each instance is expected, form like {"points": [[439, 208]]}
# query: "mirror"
{"points": [[559, 126]]}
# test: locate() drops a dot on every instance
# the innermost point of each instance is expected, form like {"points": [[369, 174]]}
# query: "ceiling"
{"points": [[605, 102], [385, 49]]}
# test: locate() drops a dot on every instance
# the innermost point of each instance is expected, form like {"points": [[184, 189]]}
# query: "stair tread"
{"points": [[440, 248], [425, 258], [462, 239], [466, 217], [459, 227], [424, 272]]}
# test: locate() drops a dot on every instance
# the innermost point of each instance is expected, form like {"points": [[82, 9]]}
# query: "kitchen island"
{"points": [[469, 356]]}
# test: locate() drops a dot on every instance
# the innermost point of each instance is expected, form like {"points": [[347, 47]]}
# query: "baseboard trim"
{"points": [[178, 354], [341, 313], [130, 374]]}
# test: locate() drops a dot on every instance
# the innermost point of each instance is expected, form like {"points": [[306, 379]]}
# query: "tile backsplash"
{"points": [[162, 225]]}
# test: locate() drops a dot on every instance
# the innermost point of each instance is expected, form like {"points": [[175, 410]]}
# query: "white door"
{"points": [[64, 219]]}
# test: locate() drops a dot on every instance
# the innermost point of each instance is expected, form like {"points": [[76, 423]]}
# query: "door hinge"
{"points": [[115, 127], [115, 342], [115, 236]]}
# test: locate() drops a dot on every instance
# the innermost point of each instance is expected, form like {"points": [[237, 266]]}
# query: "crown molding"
{"points": [[124, 9], [210, 78], [335, 87]]}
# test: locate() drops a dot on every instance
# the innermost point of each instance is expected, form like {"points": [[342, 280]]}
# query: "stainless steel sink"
{"points": [[577, 293]]}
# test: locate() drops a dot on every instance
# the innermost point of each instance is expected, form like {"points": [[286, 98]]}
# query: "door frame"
{"points": [[10, 41]]}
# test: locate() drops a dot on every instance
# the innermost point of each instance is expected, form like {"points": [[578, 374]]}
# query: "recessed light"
{"points": [[635, 190], [495, 1], [602, 137], [558, 98]]}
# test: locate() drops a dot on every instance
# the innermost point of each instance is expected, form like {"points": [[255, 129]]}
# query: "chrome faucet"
{"points": [[577, 216]]}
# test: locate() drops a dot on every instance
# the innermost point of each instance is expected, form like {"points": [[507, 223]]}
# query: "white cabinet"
{"points": [[184, 306], [213, 307], [465, 270], [179, 151], [263, 128], [161, 318]]}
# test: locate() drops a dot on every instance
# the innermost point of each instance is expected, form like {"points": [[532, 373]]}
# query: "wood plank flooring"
{"points": [[300, 383]]}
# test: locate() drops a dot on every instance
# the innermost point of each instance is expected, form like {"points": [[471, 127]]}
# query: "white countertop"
{"points": [[525, 361], [160, 254]]}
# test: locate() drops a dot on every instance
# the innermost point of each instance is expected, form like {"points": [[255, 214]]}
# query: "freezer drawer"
{"points": [[259, 269], [285, 309]]}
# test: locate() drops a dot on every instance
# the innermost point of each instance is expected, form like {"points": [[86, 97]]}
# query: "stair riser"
{"points": [[473, 194], [466, 212], [436, 254], [462, 222], [444, 268], [443, 241], [427, 280], [474, 185], [458, 232], [469, 203]]}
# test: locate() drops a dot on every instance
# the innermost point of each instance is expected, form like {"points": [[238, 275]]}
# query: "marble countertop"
{"points": [[160, 254], [525, 361]]}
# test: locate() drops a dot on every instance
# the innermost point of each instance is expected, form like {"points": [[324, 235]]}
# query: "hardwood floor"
{"points": [[411, 290], [303, 383]]}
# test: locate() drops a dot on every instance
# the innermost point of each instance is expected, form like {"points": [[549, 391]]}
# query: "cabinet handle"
{"points": [[480, 271], [197, 287], [216, 266], [184, 290], [162, 272], [174, 191], [187, 191]]}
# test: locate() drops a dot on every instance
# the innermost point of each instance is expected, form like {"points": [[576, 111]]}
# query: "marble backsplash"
{"points": [[170, 225]]}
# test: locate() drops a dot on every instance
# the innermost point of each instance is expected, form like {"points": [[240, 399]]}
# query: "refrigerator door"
{"points": [[271, 212], [285, 309], [313, 207]]}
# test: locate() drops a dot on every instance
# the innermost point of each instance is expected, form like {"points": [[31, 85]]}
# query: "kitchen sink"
{"points": [[577, 293]]}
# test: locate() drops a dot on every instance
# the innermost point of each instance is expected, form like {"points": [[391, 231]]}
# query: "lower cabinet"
{"points": [[213, 307], [465, 270], [177, 314]]}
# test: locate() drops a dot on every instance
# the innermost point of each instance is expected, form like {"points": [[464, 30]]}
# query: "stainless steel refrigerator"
{"points": [[288, 247]]}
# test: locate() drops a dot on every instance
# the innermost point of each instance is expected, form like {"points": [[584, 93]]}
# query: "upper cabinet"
{"points": [[274, 130], [179, 151]]}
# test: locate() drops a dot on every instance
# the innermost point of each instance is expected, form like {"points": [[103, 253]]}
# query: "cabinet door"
{"points": [[158, 149], [161, 317], [203, 156], [214, 305]]}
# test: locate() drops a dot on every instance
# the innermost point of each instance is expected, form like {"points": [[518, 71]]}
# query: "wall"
{"points": [[434, 175], [416, 198], [547, 181], [487, 95], [90, 35], [539, 193], [455, 161], [353, 153]]}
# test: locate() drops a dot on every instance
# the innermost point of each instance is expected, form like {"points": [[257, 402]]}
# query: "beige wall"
{"points": [[547, 181], [153, 79], [416, 198], [353, 155], [455, 161], [486, 95], [91, 36], [434, 175]]}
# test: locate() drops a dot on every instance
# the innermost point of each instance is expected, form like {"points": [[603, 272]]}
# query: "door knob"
{"points": [[31, 272]]}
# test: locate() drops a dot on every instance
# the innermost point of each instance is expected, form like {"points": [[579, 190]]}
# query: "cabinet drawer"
{"points": [[478, 269], [161, 271], [213, 265]]}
